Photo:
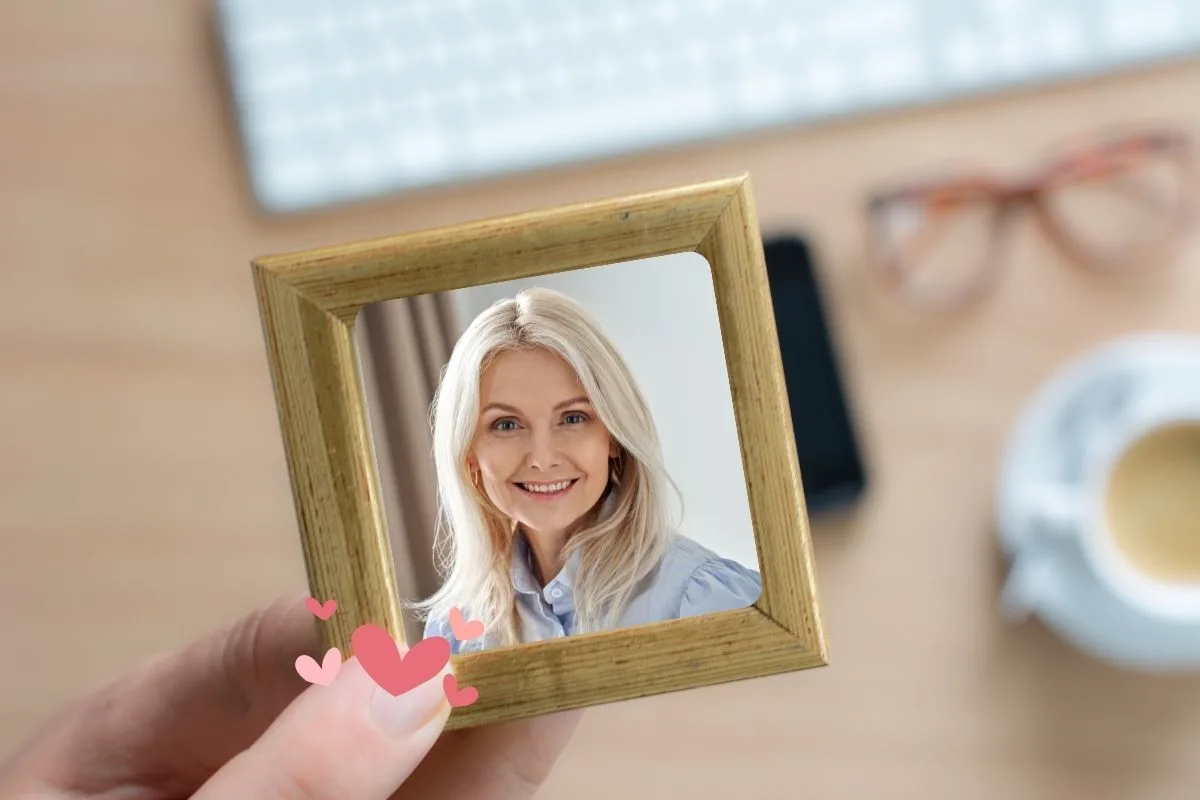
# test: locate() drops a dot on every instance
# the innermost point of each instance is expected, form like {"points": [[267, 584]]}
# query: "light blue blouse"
{"points": [[690, 580]]}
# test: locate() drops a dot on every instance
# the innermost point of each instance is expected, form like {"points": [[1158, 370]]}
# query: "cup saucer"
{"points": [[1084, 398]]}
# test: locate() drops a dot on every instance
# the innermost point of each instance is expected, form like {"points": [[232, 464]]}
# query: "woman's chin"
{"points": [[553, 513], [543, 520], [541, 523]]}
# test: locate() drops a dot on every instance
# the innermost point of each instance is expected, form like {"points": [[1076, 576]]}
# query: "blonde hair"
{"points": [[475, 541]]}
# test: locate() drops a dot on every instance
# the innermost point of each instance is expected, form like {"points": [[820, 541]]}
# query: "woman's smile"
{"points": [[546, 491]]}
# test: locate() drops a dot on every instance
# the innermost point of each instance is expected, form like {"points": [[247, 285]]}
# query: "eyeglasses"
{"points": [[1114, 204]]}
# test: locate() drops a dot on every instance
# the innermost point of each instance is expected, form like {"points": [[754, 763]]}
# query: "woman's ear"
{"points": [[614, 449], [473, 471]]}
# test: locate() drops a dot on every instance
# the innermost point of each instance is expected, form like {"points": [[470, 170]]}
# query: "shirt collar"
{"points": [[526, 582]]}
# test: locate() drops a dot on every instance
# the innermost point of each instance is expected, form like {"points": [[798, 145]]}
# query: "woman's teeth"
{"points": [[546, 488]]}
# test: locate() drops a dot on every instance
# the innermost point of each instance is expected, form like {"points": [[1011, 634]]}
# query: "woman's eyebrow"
{"points": [[581, 400], [500, 407]]}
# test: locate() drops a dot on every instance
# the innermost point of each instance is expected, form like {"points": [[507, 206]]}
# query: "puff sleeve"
{"points": [[719, 585]]}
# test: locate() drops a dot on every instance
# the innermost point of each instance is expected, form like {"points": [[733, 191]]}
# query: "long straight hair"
{"points": [[474, 542]]}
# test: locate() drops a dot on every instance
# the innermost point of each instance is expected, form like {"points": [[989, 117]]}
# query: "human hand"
{"points": [[229, 717]]}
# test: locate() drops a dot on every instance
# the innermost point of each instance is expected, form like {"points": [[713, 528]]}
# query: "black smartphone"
{"points": [[831, 464]]}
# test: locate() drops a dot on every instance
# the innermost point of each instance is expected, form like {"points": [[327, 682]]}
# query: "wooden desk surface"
{"points": [[143, 494]]}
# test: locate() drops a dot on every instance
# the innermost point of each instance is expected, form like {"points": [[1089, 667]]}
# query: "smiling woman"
{"points": [[553, 493]]}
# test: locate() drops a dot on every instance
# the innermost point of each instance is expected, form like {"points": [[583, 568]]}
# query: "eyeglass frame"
{"points": [[1008, 196]]}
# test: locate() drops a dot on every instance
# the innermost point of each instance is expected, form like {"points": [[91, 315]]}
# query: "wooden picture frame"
{"points": [[309, 302]]}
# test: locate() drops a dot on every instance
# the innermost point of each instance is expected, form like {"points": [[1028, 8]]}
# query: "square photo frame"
{"points": [[310, 303]]}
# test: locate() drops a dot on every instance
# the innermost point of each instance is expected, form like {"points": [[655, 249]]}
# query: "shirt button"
{"points": [[556, 593]]}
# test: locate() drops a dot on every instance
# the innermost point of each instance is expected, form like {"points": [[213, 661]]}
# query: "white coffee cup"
{"points": [[1071, 521]]}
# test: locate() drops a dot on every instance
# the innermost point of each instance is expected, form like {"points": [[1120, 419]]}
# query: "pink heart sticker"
{"points": [[380, 657], [464, 631], [458, 697], [322, 611], [324, 674]]}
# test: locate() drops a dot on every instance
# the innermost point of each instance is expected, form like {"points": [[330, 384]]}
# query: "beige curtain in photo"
{"points": [[403, 345]]}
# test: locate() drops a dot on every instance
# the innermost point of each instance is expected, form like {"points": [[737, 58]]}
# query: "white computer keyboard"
{"points": [[341, 100]]}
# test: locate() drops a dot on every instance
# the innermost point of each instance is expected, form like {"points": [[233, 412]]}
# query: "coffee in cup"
{"points": [[1152, 502]]}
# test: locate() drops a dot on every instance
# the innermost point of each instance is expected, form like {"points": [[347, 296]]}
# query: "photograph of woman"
{"points": [[552, 490]]}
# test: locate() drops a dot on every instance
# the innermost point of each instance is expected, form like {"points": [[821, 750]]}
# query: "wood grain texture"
{"points": [[342, 279], [734, 251], [330, 460], [309, 301]]}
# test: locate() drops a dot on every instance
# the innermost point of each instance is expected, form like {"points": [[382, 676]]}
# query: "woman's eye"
{"points": [[504, 425], [575, 418]]}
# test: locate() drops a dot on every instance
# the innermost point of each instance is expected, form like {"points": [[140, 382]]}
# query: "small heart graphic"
{"points": [[321, 611], [458, 697], [380, 657], [324, 674], [464, 631]]}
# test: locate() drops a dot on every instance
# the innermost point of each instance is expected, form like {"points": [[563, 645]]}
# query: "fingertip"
{"points": [[348, 739], [405, 714]]}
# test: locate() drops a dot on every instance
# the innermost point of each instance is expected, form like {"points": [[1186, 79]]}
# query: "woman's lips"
{"points": [[546, 491]]}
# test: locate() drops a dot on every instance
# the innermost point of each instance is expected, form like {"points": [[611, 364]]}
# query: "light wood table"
{"points": [[143, 491]]}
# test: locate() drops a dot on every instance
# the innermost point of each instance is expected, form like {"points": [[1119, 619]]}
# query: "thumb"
{"points": [[349, 739]]}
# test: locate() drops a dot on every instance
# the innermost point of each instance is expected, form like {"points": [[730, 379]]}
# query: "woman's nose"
{"points": [[544, 452]]}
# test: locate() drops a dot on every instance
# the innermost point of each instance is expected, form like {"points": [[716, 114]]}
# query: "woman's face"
{"points": [[541, 451]]}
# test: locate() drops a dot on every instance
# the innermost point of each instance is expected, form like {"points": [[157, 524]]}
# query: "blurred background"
{"points": [[677, 360], [149, 150]]}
